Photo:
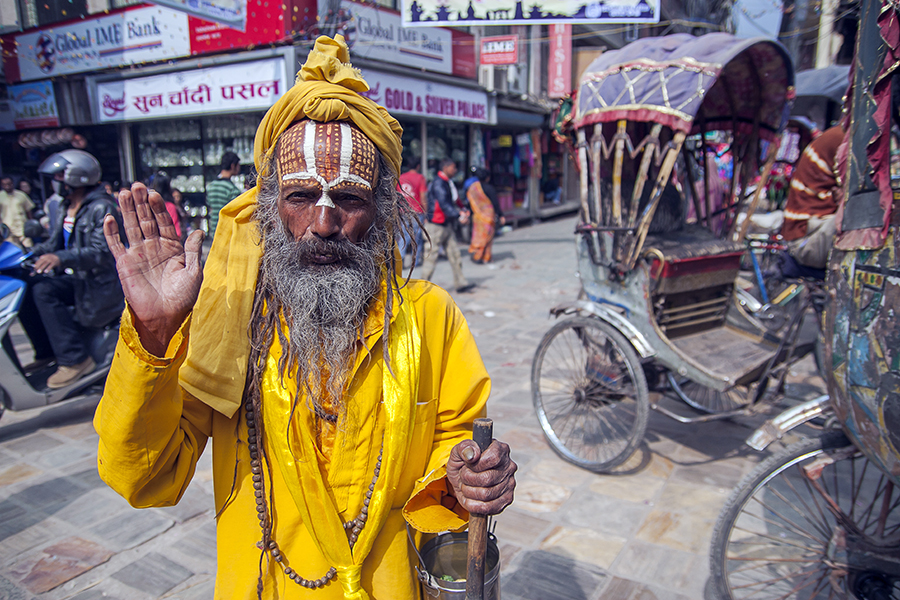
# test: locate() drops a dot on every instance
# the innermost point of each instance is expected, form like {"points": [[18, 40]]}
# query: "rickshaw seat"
{"points": [[692, 258]]}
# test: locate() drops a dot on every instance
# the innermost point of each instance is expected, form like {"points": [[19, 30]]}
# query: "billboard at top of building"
{"points": [[450, 13], [231, 13], [376, 33], [133, 36], [130, 37]]}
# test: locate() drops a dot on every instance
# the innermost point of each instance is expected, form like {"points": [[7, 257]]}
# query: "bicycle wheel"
{"points": [[781, 534], [590, 393], [707, 399]]}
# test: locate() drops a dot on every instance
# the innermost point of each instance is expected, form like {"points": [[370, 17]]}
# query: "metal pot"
{"points": [[445, 556]]}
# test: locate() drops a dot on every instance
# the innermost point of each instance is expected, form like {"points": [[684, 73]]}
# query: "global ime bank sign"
{"points": [[130, 37], [414, 97]]}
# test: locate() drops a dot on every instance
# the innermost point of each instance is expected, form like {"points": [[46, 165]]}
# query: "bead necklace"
{"points": [[354, 526]]}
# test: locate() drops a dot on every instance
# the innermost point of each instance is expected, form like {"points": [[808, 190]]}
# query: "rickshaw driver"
{"points": [[814, 196], [340, 402]]}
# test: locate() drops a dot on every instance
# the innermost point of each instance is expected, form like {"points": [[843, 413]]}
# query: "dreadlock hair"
{"points": [[394, 217]]}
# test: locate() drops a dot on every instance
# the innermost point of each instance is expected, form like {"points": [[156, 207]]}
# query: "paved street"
{"points": [[570, 535]]}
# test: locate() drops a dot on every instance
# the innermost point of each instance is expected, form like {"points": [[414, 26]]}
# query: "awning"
{"points": [[519, 118]]}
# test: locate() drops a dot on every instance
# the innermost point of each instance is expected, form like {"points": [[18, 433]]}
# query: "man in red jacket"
{"points": [[440, 212], [414, 187]]}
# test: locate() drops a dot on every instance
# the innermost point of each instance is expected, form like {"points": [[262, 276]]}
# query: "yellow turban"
{"points": [[327, 89]]}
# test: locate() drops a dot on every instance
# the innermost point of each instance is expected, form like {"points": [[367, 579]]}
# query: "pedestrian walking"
{"points": [[485, 215], [414, 186], [163, 185], [440, 214], [15, 209]]}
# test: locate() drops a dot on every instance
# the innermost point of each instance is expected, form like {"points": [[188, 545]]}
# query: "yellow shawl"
{"points": [[214, 371]]}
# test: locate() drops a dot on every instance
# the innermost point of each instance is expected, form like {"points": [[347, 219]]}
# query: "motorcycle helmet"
{"points": [[72, 169]]}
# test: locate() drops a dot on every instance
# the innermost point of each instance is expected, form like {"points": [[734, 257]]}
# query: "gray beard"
{"points": [[325, 306]]}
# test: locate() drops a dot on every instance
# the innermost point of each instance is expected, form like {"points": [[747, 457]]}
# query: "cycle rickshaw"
{"points": [[658, 305], [821, 518]]}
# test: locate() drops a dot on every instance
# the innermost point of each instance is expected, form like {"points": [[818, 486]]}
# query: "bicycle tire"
{"points": [[590, 393], [779, 553]]}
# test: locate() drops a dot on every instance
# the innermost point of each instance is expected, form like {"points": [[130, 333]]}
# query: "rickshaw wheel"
{"points": [[590, 393], [780, 534], [707, 399]]}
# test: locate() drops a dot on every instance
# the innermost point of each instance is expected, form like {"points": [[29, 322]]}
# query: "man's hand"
{"points": [[160, 277], [46, 263], [482, 483], [464, 216]]}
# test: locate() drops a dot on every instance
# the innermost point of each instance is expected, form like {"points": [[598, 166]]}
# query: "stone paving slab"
{"points": [[59, 563], [641, 533], [154, 574]]}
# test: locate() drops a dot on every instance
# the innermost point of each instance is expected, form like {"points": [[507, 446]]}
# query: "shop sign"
{"points": [[231, 13], [415, 97], [33, 105], [464, 54], [227, 89], [500, 50], [559, 83], [145, 34], [461, 13], [264, 25], [375, 33]]}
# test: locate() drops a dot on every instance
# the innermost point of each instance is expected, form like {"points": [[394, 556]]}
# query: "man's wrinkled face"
{"points": [[326, 176], [7, 185]]}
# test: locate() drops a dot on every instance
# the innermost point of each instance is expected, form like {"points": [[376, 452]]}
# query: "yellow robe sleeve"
{"points": [[151, 431], [463, 385]]}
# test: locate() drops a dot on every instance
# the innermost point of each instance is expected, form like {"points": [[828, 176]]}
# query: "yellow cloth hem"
{"points": [[424, 510]]}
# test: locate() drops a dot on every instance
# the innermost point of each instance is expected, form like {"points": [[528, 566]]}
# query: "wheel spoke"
{"points": [[589, 393], [772, 543], [790, 524]]}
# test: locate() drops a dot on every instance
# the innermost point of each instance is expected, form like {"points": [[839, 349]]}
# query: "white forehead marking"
{"points": [[309, 147], [309, 152]]}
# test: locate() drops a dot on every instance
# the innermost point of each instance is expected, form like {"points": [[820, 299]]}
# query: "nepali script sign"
{"points": [[230, 88], [33, 105], [461, 13]]}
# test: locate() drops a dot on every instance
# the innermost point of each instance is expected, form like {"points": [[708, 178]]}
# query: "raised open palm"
{"points": [[160, 277]]}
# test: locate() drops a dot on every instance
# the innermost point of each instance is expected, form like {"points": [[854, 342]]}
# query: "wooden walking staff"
{"points": [[482, 434]]}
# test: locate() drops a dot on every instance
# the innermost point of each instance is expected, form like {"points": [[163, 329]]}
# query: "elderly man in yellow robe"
{"points": [[339, 397]]}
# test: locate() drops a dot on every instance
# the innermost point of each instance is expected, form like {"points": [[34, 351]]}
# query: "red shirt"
{"points": [[413, 185]]}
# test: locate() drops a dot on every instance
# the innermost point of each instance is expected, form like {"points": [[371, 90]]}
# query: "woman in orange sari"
{"points": [[484, 218]]}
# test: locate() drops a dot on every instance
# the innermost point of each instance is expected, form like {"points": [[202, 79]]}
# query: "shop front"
{"points": [[531, 171], [181, 121]]}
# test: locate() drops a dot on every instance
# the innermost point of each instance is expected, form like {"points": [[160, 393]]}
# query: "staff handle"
{"points": [[482, 434]]}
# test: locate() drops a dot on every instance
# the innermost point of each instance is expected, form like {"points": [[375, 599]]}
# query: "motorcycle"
{"points": [[21, 389]]}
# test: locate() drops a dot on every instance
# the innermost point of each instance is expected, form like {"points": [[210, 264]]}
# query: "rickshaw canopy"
{"points": [[678, 80], [830, 82]]}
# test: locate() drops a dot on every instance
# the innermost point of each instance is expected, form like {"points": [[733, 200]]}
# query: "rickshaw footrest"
{"points": [[700, 418]]}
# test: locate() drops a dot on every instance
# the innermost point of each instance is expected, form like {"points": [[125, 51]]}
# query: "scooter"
{"points": [[21, 390]]}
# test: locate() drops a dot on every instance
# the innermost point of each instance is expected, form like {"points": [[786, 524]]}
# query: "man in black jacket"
{"points": [[75, 265], [440, 212]]}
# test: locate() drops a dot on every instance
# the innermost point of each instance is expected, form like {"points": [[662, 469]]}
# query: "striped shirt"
{"points": [[814, 184], [219, 193]]}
